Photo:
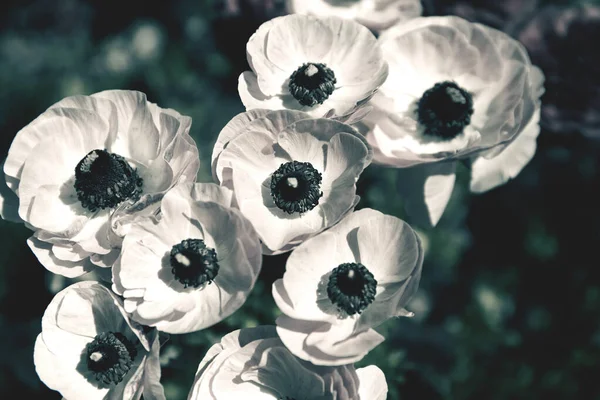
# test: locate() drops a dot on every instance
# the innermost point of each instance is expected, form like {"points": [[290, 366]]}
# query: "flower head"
{"points": [[456, 91], [557, 39], [194, 266], [293, 176], [255, 363], [87, 167], [376, 15], [89, 349], [341, 284], [323, 66]]}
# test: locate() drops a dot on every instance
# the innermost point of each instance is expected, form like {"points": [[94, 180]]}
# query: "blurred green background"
{"points": [[509, 305]]}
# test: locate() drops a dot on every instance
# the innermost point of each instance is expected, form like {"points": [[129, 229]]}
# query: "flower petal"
{"points": [[43, 252], [294, 334], [487, 174], [373, 385], [389, 248], [236, 126], [427, 189]]}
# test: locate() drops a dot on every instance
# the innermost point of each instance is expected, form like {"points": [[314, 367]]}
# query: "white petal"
{"points": [[294, 334], [347, 157], [253, 152], [273, 366], [60, 373], [183, 159], [355, 55], [140, 260], [299, 292], [235, 127], [373, 385], [426, 189], [153, 390], [389, 248], [43, 252], [486, 174], [277, 228], [53, 122], [157, 177], [296, 39], [87, 311], [59, 154], [142, 135], [252, 97], [192, 192], [271, 76], [303, 147]]}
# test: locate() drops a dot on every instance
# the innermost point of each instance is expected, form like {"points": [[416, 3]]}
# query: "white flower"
{"points": [[88, 349], [311, 64], [193, 267], [293, 176], [254, 364], [341, 284], [376, 15], [90, 165], [456, 91]]}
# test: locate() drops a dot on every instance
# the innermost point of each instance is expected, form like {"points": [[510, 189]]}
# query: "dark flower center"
{"points": [[103, 180], [110, 357], [312, 84], [445, 110], [296, 187], [193, 263], [351, 287]]}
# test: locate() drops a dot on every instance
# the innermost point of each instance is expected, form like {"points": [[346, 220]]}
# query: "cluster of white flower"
{"points": [[107, 183]]}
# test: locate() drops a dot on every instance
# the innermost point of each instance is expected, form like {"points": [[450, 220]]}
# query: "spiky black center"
{"points": [[296, 187], [351, 287], [193, 263], [104, 180], [445, 110], [110, 357], [312, 84]]}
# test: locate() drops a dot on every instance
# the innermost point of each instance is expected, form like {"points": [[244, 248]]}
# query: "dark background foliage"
{"points": [[509, 304]]}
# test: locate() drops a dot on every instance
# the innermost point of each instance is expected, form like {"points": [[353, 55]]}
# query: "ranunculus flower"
{"points": [[293, 176], [558, 40], [89, 349], [323, 66], [506, 15], [254, 364], [341, 284], [456, 91], [376, 15], [90, 165], [193, 267]]}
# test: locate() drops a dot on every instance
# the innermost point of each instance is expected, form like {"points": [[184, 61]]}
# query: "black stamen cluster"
{"points": [[193, 263], [312, 84], [445, 110], [351, 287], [110, 357], [296, 187], [104, 180]]}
